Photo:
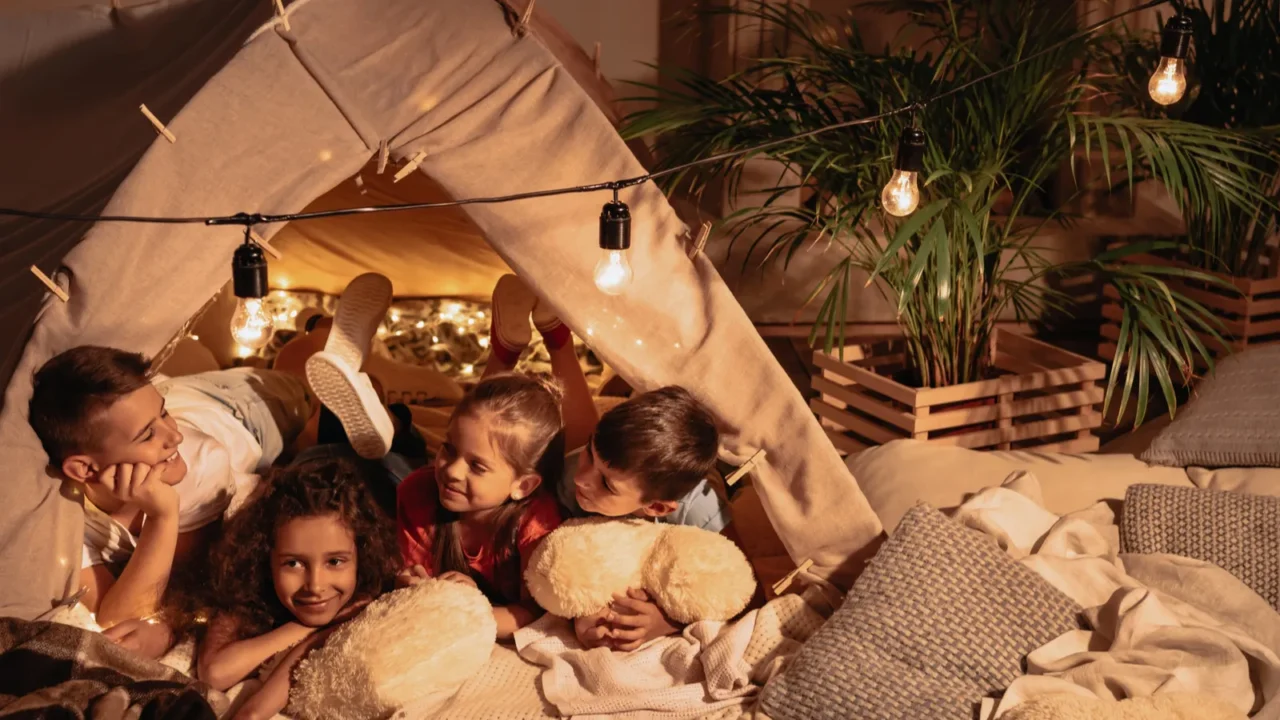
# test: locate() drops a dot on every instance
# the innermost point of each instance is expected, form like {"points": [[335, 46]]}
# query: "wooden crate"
{"points": [[1251, 317], [1044, 398]]}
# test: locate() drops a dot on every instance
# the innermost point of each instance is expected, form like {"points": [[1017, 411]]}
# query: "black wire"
{"points": [[614, 185]]}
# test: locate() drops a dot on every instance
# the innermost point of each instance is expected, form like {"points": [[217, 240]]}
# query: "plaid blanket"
{"points": [[53, 670]]}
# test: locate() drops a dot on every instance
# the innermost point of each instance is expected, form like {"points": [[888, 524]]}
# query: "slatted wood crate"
{"points": [[1042, 397], [1251, 317]]}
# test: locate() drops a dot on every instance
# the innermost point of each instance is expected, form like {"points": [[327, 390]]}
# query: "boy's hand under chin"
{"points": [[635, 620], [141, 485]]}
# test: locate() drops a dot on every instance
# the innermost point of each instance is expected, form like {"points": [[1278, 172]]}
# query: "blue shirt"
{"points": [[701, 507]]}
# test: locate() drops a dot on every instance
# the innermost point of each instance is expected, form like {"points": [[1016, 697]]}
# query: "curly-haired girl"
{"points": [[300, 559]]}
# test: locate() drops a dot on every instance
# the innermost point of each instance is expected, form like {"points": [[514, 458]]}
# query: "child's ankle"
{"points": [[555, 335]]}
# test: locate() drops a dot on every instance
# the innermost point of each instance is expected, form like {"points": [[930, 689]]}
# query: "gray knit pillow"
{"points": [[1238, 533], [940, 619], [1234, 420]]}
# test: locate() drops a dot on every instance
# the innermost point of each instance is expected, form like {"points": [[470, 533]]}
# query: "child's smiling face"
{"points": [[471, 473], [313, 567]]}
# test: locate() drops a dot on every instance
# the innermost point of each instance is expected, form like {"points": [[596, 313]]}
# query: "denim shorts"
{"points": [[273, 406]]}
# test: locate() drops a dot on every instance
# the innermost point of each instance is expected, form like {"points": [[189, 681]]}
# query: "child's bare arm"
{"points": [[225, 661], [511, 618], [141, 585], [578, 407], [272, 698]]}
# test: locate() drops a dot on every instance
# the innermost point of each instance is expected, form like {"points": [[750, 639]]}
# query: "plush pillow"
{"points": [[941, 618], [1254, 480], [1234, 420], [1238, 533], [897, 475]]}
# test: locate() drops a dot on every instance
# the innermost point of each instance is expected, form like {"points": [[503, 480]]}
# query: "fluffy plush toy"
{"points": [[692, 574], [1173, 706], [410, 648]]}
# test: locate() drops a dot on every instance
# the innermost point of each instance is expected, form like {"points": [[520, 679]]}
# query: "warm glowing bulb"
{"points": [[1169, 81], [900, 196], [613, 272], [251, 323], [484, 342]]}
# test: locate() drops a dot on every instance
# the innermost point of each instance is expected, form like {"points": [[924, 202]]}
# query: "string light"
{"points": [[251, 325], [901, 195], [1169, 81], [613, 272]]}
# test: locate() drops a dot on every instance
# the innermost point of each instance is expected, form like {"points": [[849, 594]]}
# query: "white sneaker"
{"points": [[349, 394], [361, 308]]}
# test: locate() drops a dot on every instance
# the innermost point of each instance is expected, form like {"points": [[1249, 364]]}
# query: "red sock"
{"points": [[556, 335]]}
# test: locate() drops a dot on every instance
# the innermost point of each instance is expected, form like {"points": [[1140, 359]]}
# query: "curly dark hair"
{"points": [[240, 583]]}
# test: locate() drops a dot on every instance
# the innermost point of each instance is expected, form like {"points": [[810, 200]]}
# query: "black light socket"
{"points": [[249, 271], [615, 226], [911, 150], [1176, 39]]}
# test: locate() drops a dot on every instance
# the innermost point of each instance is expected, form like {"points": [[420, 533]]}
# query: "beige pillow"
{"points": [[897, 475], [1252, 481], [1234, 420]]}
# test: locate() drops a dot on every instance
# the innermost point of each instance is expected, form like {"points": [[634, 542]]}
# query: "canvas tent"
{"points": [[274, 124]]}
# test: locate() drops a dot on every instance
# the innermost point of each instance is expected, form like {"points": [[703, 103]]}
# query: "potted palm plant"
{"points": [[967, 254], [1235, 49]]}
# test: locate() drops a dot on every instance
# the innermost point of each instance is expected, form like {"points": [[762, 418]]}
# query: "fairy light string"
{"points": [[249, 219]]}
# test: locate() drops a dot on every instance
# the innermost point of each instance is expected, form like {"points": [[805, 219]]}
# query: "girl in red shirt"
{"points": [[478, 511]]}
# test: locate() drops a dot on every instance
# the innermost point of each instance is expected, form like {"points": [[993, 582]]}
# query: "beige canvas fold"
{"points": [[296, 113]]}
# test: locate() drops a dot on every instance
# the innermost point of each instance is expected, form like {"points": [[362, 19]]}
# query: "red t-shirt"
{"points": [[418, 501]]}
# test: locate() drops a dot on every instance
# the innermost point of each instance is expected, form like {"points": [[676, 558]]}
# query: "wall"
{"points": [[627, 31]]}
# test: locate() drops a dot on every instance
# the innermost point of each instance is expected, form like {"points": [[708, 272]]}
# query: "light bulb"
{"points": [[613, 272], [251, 323], [901, 195], [1169, 81]]}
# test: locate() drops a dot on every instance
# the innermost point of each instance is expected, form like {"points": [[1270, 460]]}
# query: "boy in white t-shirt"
{"points": [[157, 463]]}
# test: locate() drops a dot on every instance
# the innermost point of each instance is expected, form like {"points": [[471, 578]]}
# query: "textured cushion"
{"points": [[897, 475], [940, 619], [1234, 421], [1239, 533]]}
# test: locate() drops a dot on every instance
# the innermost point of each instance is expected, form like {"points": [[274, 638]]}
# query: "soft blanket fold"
{"points": [[711, 667], [1160, 624], [50, 669]]}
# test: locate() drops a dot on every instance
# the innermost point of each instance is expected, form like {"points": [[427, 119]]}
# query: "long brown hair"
{"points": [[527, 428], [240, 583]]}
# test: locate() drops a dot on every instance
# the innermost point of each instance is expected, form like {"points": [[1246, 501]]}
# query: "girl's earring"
{"points": [[516, 494]]}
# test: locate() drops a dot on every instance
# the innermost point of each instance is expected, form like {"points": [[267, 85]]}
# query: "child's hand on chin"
{"points": [[635, 620]]}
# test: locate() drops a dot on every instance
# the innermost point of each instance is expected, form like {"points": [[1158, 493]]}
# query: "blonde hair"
{"points": [[527, 428]]}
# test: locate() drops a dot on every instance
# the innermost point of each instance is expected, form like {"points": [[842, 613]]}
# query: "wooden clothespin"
{"points": [[523, 26], [284, 17], [384, 153], [49, 283], [747, 466], [360, 185], [701, 242], [595, 58], [781, 586], [160, 128], [410, 166], [274, 253]]}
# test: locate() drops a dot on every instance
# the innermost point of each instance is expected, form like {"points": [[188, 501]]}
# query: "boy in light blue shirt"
{"points": [[648, 457]]}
